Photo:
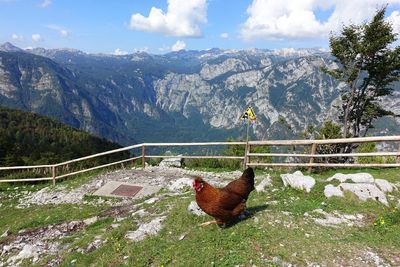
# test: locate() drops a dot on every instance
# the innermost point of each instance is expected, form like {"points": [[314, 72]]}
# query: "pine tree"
{"points": [[369, 66]]}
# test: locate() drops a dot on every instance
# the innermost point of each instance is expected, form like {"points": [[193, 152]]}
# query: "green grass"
{"points": [[278, 230]]}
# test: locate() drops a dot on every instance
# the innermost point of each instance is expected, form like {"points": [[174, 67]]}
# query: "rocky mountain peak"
{"points": [[9, 47]]}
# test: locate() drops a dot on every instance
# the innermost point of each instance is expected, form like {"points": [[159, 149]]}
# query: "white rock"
{"points": [[171, 162], [298, 180], [6, 233], [180, 184], [332, 191], [195, 209], [384, 185], [141, 213], [354, 177], [91, 220], [146, 229], [263, 184], [366, 191], [26, 252]]}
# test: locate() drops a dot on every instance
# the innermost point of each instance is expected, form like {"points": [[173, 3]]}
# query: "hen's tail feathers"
{"points": [[248, 175]]}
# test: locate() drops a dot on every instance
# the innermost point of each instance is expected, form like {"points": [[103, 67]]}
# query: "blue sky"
{"points": [[159, 26]]}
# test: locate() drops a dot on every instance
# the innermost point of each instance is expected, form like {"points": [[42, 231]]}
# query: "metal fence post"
{"points": [[143, 157], [246, 152], [313, 150], [398, 157]]}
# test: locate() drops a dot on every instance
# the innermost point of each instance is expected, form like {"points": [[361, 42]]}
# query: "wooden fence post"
{"points": [[313, 150], [53, 173], [398, 157], [143, 157]]}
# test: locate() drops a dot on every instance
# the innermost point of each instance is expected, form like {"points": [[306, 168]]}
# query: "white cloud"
{"points": [[394, 19], [183, 19], [287, 19], [36, 37], [45, 3], [119, 52], [179, 45], [61, 30], [17, 37], [224, 35]]}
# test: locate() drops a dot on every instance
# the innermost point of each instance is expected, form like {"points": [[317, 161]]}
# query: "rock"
{"points": [[152, 200], [99, 184], [141, 213], [332, 191], [354, 177], [195, 209], [6, 233], [263, 184], [180, 184], [146, 229], [172, 162], [94, 245], [91, 220], [298, 180], [27, 251], [384, 185], [334, 219], [365, 191]]}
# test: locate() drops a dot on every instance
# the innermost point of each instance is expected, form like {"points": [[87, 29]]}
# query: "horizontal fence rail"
{"points": [[249, 158]]}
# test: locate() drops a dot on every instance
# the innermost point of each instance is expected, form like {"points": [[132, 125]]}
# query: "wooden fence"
{"points": [[312, 146]]}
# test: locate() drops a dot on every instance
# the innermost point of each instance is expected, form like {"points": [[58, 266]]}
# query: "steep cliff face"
{"points": [[38, 84], [185, 95]]}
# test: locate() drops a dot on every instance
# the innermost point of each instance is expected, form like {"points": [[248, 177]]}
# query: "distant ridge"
{"points": [[186, 95], [9, 47], [29, 139]]}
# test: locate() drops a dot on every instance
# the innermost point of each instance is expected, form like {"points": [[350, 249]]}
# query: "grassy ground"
{"points": [[276, 233]]}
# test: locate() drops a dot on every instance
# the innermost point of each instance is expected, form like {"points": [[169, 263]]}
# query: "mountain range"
{"points": [[178, 96]]}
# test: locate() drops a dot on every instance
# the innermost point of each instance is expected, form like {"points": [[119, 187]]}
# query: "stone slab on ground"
{"points": [[361, 177], [384, 185], [366, 191], [298, 180], [108, 189]]}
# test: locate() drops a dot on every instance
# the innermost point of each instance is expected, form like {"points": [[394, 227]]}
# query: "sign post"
{"points": [[248, 115]]}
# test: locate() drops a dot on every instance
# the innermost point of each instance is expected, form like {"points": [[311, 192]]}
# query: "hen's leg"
{"points": [[208, 223]]}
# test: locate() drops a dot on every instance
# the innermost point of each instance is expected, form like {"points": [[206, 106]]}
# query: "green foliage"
{"points": [[371, 147], [369, 67], [30, 139], [232, 150], [329, 130]]}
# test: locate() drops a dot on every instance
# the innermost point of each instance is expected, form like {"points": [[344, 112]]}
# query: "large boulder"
{"points": [[298, 180]]}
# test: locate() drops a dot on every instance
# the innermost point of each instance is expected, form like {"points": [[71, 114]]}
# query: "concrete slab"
{"points": [[112, 189]]}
